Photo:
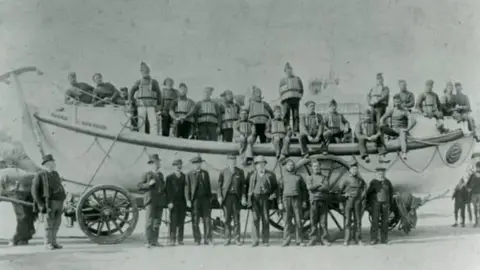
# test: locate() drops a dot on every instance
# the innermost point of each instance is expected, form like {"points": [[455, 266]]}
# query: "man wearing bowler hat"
{"points": [[176, 190], [231, 196], [380, 199], [155, 199], [199, 195], [48, 194], [263, 183]]}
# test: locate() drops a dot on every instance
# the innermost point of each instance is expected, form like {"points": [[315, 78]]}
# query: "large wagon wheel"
{"points": [[334, 168], [107, 214]]}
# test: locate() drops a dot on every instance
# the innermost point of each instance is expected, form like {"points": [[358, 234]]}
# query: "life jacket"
{"points": [[399, 119], [168, 96], [429, 105], [334, 121], [312, 123], [184, 105], [207, 112], [290, 87], [145, 93], [230, 115], [257, 112], [277, 127], [368, 127], [245, 127]]}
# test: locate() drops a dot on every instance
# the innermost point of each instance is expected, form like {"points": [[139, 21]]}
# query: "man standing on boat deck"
{"points": [[380, 198], [262, 184], [407, 98], [169, 95], [279, 133], [402, 122], [354, 188], [155, 199], [49, 195], [462, 109], [183, 126], [244, 134], [209, 117], [259, 112], [473, 186], [176, 194], [147, 95], [311, 129], [231, 196], [230, 112], [199, 196], [291, 92], [78, 92], [104, 92], [336, 125], [367, 131], [378, 97], [429, 105]]}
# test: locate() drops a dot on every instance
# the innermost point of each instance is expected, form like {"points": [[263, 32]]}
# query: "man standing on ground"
{"points": [[176, 189], [473, 186]]}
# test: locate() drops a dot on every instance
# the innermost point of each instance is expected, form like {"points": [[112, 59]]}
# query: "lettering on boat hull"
{"points": [[79, 122]]}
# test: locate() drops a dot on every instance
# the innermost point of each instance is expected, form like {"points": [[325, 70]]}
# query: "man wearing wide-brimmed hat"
{"points": [[209, 117], [199, 196], [473, 186], [230, 113], [259, 112], [262, 184], [379, 199], [378, 97], [176, 196], [231, 195], [291, 92], [279, 133], [49, 195], [244, 134], [153, 183], [336, 125], [311, 129], [147, 95]]}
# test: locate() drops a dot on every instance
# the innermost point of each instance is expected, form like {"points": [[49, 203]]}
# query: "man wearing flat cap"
{"points": [[407, 98], [209, 117], [154, 186], [262, 184], [169, 95], [368, 131], [231, 195], [354, 189], [291, 92], [279, 133], [461, 111], [176, 190], [378, 97], [183, 126], [199, 196], [336, 125], [104, 92], [147, 95], [230, 113], [79, 92], [49, 194], [473, 186], [429, 105], [311, 129], [292, 193], [379, 199], [259, 112], [244, 134]]}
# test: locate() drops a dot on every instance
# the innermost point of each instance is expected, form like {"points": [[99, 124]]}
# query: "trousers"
{"points": [[281, 145], [318, 220], [353, 219], [260, 213], [459, 207], [207, 132], [402, 136], [260, 132], [304, 142], [380, 217], [291, 106], [25, 219], [177, 222], [153, 219], [149, 115], [227, 135], [293, 207], [231, 209], [201, 209], [379, 143], [53, 220]]}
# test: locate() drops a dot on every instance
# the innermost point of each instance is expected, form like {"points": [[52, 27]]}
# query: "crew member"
{"points": [[473, 186], [169, 95], [262, 184], [147, 95], [199, 195], [354, 188], [291, 193], [176, 186], [230, 112], [401, 123], [209, 117], [336, 125], [231, 197], [155, 200], [462, 109], [291, 92], [311, 129], [244, 134], [259, 112], [448, 100], [407, 98], [378, 98], [460, 196], [279, 133], [104, 92], [79, 92], [49, 195], [429, 105], [367, 131], [380, 198], [318, 189], [183, 126]]}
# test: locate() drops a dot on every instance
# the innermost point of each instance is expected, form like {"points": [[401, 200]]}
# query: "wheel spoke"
{"points": [[339, 176], [104, 194], [335, 220], [96, 198], [117, 227], [108, 226], [92, 215], [100, 226], [114, 197]]}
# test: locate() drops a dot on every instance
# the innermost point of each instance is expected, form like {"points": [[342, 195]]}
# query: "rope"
{"points": [[415, 170], [370, 170]]}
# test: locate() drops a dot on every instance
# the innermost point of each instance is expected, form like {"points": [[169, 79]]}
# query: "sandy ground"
{"points": [[433, 245]]}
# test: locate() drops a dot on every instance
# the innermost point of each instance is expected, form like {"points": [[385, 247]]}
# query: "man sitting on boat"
{"points": [[147, 96], [244, 134], [336, 125], [259, 112], [78, 92], [407, 98], [104, 92], [208, 116], [401, 123], [447, 101], [169, 95], [367, 131], [378, 97], [311, 129], [183, 126], [428, 104], [291, 92], [230, 112], [279, 133], [462, 109]]}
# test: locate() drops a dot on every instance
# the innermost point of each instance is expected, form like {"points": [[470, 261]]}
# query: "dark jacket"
{"points": [[270, 186], [374, 188], [47, 186], [192, 184], [156, 194], [292, 184], [226, 179], [176, 188]]}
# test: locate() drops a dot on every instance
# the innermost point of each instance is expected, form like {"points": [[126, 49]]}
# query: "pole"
{"points": [[246, 224], [12, 200]]}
